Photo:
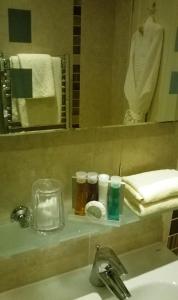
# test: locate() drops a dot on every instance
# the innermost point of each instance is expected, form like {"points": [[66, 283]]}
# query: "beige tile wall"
{"points": [[120, 58], [47, 27], [106, 27], [25, 158], [96, 61]]}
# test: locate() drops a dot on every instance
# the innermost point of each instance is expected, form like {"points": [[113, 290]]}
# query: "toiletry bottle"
{"points": [[92, 186], [81, 193], [103, 181], [114, 198]]}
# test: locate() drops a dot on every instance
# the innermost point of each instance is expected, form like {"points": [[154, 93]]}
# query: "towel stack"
{"points": [[151, 192]]}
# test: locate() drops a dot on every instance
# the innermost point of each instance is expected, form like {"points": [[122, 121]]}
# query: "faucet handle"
{"points": [[115, 262], [21, 214]]}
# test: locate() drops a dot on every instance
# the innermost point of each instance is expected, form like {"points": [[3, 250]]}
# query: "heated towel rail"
{"points": [[7, 125]]}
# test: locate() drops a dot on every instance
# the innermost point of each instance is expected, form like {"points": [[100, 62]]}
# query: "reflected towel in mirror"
{"points": [[45, 110], [42, 73]]}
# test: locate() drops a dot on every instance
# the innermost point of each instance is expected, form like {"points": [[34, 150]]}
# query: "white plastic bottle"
{"points": [[103, 180]]}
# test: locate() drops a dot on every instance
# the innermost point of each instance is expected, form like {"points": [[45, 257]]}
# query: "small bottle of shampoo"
{"points": [[92, 180], [81, 193], [114, 198], [103, 180]]}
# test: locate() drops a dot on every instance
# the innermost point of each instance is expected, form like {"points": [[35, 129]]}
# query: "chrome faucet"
{"points": [[107, 270]]}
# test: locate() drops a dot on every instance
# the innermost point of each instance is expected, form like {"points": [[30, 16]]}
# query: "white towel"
{"points": [[45, 111], [149, 209], [14, 64], [42, 73], [57, 74], [142, 74], [152, 186]]}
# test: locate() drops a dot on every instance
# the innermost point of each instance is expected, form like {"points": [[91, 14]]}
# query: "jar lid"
{"points": [[115, 181], [103, 178], [81, 176], [96, 210], [92, 177]]}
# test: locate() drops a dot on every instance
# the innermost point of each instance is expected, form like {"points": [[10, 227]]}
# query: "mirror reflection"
{"points": [[34, 91], [128, 58], [122, 63]]}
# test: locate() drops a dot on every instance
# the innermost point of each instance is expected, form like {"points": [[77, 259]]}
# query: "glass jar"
{"points": [[47, 205]]}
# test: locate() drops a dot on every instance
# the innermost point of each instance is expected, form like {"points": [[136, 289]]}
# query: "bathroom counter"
{"points": [[76, 283]]}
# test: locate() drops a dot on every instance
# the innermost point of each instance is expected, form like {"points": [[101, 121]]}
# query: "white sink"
{"points": [[161, 283], [155, 291], [158, 284], [91, 296]]}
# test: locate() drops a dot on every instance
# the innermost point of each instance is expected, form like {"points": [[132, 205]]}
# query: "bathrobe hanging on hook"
{"points": [[142, 74]]}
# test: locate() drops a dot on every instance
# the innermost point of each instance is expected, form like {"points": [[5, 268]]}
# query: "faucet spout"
{"points": [[107, 270]]}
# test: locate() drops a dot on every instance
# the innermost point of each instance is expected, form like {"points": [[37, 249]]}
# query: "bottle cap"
{"points": [[96, 210], [115, 181], [92, 177], [81, 176], [103, 179]]}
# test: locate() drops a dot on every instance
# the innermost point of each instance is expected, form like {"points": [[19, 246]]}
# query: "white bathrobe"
{"points": [[142, 74]]}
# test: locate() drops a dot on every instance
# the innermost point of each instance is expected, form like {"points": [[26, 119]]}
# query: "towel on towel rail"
{"points": [[42, 73], [45, 110]]}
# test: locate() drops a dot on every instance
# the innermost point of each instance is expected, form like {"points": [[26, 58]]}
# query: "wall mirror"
{"points": [[101, 44]]}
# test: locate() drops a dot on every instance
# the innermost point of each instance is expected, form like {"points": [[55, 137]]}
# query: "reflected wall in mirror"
{"points": [[99, 38], [37, 30]]}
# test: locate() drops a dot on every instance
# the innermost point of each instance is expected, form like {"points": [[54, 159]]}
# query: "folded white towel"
{"points": [[149, 209], [42, 73], [152, 186]]}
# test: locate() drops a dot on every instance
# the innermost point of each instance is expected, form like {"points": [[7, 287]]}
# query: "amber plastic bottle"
{"points": [[81, 193], [92, 186]]}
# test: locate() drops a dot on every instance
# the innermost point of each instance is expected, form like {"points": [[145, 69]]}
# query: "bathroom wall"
{"points": [[105, 42], [120, 58], [172, 242], [173, 230], [46, 32], [96, 61], [25, 158]]}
